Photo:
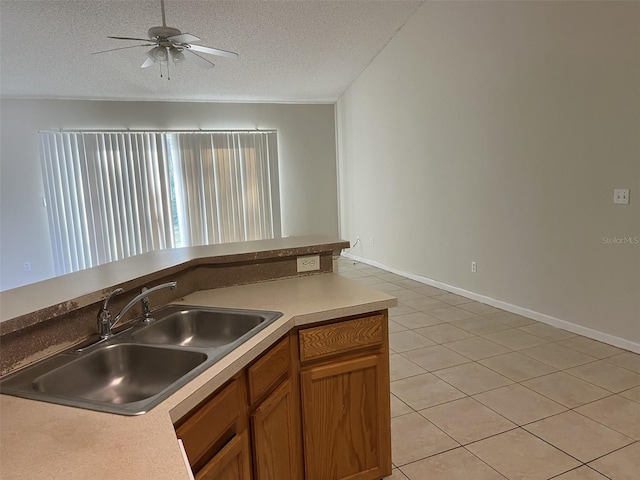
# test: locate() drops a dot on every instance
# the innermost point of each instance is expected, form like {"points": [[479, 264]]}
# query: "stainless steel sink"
{"points": [[119, 374], [200, 327], [133, 371]]}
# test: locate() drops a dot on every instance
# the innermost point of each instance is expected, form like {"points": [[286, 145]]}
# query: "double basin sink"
{"points": [[136, 369]]}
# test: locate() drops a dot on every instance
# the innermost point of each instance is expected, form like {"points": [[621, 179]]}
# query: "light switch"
{"points": [[621, 196]]}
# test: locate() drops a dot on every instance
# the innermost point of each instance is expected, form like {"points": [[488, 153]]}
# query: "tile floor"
{"points": [[482, 394]]}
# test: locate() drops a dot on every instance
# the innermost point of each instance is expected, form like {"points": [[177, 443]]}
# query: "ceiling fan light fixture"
{"points": [[159, 54], [176, 55]]}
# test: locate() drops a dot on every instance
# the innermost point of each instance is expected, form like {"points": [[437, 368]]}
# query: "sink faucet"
{"points": [[106, 323]]}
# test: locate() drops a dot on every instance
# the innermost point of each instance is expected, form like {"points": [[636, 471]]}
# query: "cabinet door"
{"points": [[214, 423], [276, 444], [231, 463], [346, 424]]}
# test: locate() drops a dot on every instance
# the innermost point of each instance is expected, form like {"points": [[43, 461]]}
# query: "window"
{"points": [[111, 195]]}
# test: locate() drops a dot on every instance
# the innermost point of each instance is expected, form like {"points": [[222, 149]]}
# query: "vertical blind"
{"points": [[111, 195]]}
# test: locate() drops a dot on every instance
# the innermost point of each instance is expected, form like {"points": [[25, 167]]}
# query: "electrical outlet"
{"points": [[474, 267], [372, 241], [308, 264], [621, 196], [27, 266]]}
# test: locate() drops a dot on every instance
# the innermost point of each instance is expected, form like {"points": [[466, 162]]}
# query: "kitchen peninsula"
{"points": [[42, 440]]}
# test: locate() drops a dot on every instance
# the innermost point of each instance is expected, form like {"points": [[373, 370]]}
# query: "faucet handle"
{"points": [[104, 316], [146, 309]]}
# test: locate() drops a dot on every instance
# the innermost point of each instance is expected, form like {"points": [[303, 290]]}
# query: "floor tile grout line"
{"points": [[521, 425], [503, 386], [576, 468], [592, 383], [590, 354], [500, 373], [457, 388], [403, 402], [487, 464], [435, 404], [435, 370], [546, 396], [572, 456], [613, 451], [471, 394], [510, 349], [610, 363], [611, 393], [450, 450], [561, 404], [419, 412], [633, 440], [515, 381], [523, 351], [428, 456], [472, 359], [552, 446], [599, 422], [628, 390]]}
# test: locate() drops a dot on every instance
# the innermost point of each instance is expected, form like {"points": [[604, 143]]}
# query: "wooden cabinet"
{"points": [[231, 463], [313, 407], [275, 418], [269, 370], [276, 442], [341, 337], [345, 402], [215, 435]]}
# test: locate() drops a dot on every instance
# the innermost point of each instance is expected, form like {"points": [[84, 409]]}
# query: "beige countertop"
{"points": [[86, 286], [40, 440]]}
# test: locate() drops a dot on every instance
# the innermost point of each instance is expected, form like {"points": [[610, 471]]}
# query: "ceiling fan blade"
{"points": [[130, 38], [197, 59], [213, 51], [123, 48], [149, 62], [183, 38]]}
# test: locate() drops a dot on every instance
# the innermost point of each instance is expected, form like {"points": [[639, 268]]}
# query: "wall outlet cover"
{"points": [[621, 196], [308, 263]]}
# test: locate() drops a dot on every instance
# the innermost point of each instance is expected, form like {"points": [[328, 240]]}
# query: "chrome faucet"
{"points": [[106, 323]]}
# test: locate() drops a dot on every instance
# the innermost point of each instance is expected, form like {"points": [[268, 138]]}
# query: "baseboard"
{"points": [[525, 312]]}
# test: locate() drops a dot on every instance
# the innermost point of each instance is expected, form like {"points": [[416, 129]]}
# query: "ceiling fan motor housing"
{"points": [[160, 33]]}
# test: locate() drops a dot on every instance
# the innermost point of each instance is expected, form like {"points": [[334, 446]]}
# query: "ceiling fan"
{"points": [[171, 43]]}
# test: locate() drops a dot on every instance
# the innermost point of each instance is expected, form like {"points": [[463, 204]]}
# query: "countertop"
{"points": [[40, 440], [84, 287]]}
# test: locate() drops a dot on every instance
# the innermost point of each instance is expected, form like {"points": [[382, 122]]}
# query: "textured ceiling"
{"points": [[290, 51]]}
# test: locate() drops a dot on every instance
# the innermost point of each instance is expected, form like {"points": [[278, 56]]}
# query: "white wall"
{"points": [[307, 164], [496, 132]]}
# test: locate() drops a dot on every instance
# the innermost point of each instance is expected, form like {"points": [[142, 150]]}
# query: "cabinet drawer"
{"points": [[326, 340], [267, 372], [213, 424]]}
